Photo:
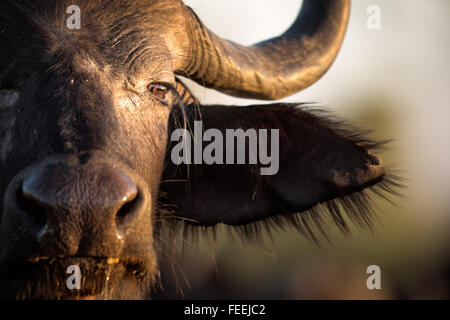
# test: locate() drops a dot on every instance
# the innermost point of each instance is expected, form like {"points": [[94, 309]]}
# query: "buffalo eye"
{"points": [[159, 91]]}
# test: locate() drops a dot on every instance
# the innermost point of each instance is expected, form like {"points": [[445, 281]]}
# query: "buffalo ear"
{"points": [[320, 163]]}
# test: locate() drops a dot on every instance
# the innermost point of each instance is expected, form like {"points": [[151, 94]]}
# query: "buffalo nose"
{"points": [[93, 196]]}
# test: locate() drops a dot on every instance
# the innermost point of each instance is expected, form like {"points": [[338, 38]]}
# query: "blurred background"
{"points": [[394, 81]]}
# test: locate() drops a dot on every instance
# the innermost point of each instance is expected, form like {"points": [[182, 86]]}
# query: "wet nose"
{"points": [[96, 197]]}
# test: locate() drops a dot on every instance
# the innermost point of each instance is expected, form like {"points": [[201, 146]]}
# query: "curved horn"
{"points": [[272, 69]]}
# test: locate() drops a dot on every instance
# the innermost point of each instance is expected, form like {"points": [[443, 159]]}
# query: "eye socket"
{"points": [[159, 91]]}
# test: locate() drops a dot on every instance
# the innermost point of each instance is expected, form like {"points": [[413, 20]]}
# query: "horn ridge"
{"points": [[271, 69]]}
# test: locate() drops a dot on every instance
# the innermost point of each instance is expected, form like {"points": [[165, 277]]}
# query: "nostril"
{"points": [[128, 207], [32, 207]]}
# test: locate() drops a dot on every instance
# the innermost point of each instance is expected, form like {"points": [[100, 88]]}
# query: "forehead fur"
{"points": [[98, 15], [121, 31]]}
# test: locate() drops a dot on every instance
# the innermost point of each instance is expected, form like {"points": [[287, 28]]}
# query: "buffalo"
{"points": [[87, 112]]}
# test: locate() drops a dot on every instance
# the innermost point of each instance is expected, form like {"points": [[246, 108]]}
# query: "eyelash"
{"points": [[163, 88]]}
